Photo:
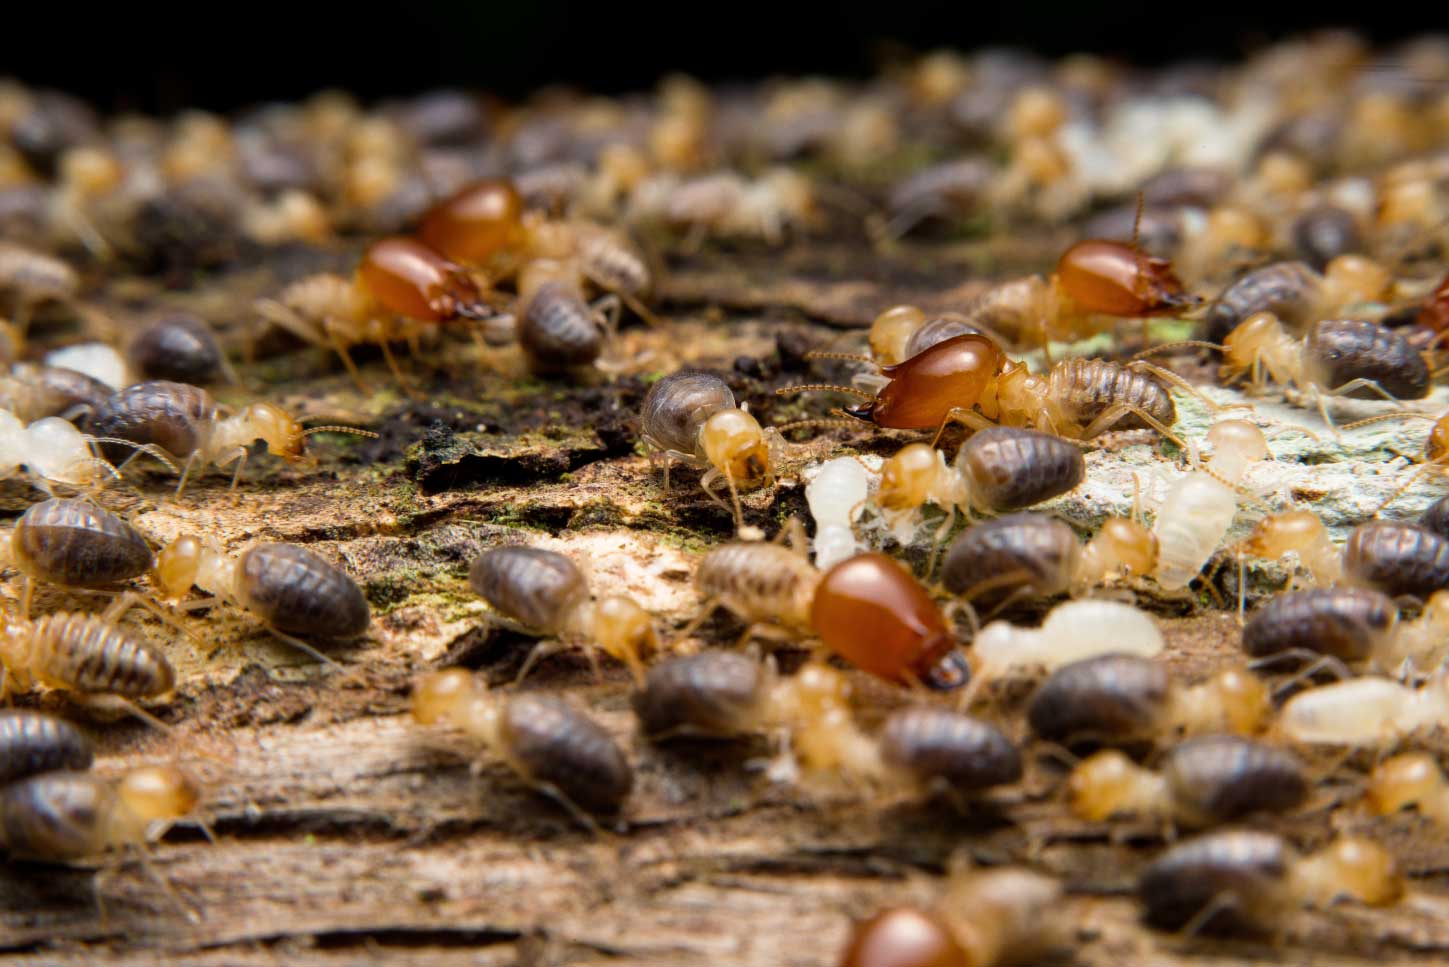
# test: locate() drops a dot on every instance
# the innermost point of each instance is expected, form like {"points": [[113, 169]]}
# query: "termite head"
{"points": [[1132, 547], [1275, 536], [624, 630], [177, 566], [735, 444], [1118, 279], [159, 793], [1102, 784], [1244, 700], [438, 696], [284, 436], [954, 374], [911, 477], [1405, 780], [1436, 447], [1248, 340], [891, 332], [1350, 866], [1351, 280], [476, 223], [410, 279]]}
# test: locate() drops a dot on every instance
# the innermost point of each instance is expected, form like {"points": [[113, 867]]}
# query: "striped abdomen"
{"points": [[759, 582], [80, 652], [1084, 388]]}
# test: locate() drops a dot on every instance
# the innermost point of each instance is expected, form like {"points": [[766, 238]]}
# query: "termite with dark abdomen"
{"points": [[187, 423], [74, 544], [295, 592], [544, 739], [547, 594], [1247, 882], [1412, 779], [692, 417], [33, 742]]}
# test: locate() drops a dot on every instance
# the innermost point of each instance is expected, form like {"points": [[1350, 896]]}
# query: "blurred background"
{"points": [[159, 59]]}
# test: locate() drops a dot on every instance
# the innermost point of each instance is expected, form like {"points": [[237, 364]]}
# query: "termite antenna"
{"points": [[1182, 344], [841, 423], [824, 388], [1382, 417], [847, 357], [355, 431]]}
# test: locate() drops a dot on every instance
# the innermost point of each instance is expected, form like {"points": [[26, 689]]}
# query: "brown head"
{"points": [[410, 279], [923, 389], [735, 444], [870, 611], [476, 223], [177, 565], [1118, 279]]}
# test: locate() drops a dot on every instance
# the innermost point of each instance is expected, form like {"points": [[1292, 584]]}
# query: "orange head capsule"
{"points": [[414, 281], [1436, 448], [903, 937], [871, 612], [476, 223], [1117, 279], [1435, 313], [923, 389]]}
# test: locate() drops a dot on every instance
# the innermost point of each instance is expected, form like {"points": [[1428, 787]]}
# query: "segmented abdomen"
{"points": [[81, 653]]}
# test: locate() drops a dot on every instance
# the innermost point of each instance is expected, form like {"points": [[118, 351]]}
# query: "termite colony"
{"points": [[1128, 543]]}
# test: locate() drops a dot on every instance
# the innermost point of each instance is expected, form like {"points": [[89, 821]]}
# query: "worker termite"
{"points": [[967, 379], [727, 205], [901, 332], [181, 348], [187, 423], [547, 594], [1296, 294], [74, 544], [545, 740], [558, 328], [292, 590], [987, 919], [70, 815], [54, 453], [1072, 632], [1246, 882], [726, 695], [33, 392], [939, 750], [1346, 624], [767, 586], [1118, 698], [1325, 232], [1396, 557], [996, 470], [692, 417], [1352, 358], [1412, 779], [1366, 711], [31, 279], [1203, 781], [400, 289], [33, 742]]}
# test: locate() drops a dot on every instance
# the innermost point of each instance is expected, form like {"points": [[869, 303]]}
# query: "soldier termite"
{"points": [[692, 417], [547, 594], [1120, 698], [1202, 781], [1247, 882], [294, 591], [987, 918], [545, 740], [187, 423], [400, 290], [967, 379]]}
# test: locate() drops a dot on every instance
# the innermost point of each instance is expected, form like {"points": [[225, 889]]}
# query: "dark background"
{"points": [[224, 56]]}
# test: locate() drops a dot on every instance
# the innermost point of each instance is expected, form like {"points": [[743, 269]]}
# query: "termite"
{"points": [[986, 919], [32, 278], [1412, 779], [295, 592], [187, 423], [997, 470], [54, 453], [34, 392], [1119, 698], [692, 417], [1339, 357], [1247, 882], [400, 290], [181, 348], [1296, 294], [1364, 712], [1202, 781], [547, 594], [968, 379], [74, 544], [545, 740]]}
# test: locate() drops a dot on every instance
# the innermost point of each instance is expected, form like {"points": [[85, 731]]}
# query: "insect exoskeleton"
{"points": [[1353, 358], [402, 288], [1397, 558], [34, 392], [968, 379], [1294, 293], [1117, 698], [1347, 624], [53, 453], [30, 279], [547, 594], [67, 815], [559, 329], [33, 742], [988, 918], [1009, 557], [1249, 882], [1202, 781], [1324, 232], [1411, 779], [901, 332], [1368, 711], [944, 751], [543, 738], [692, 417], [75, 544], [186, 422], [725, 695], [294, 591], [1072, 632]]}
